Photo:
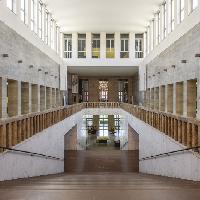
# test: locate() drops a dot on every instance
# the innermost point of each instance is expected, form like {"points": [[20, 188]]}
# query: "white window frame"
{"points": [[67, 50], [96, 40], [12, 5], [194, 4], [164, 7], [46, 25], [40, 20], [52, 33], [109, 49], [181, 10], [138, 48], [34, 10], [123, 47], [171, 16], [81, 40], [24, 11]]}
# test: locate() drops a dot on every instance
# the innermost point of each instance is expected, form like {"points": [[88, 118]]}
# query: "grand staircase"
{"points": [[100, 186]]}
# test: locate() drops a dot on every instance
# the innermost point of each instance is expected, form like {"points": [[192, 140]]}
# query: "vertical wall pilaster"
{"points": [[89, 45], [75, 45], [185, 98], [132, 45], [4, 97], [186, 10], [117, 45], [19, 98], [103, 45], [30, 98], [174, 98], [29, 13]]}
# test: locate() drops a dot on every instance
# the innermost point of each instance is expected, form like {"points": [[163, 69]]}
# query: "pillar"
{"points": [[170, 98], [117, 45], [3, 97], [57, 97], [103, 45], [191, 98], [42, 98], [35, 103], [132, 45], [88, 45], [24, 98], [162, 98], [179, 98], [156, 98], [48, 98], [74, 45], [53, 97], [12, 97]]}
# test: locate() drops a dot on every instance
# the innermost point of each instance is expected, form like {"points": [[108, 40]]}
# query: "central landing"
{"points": [[101, 161]]}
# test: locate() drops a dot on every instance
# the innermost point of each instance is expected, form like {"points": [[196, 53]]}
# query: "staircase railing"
{"points": [[170, 153], [16, 129], [182, 129], [31, 153]]}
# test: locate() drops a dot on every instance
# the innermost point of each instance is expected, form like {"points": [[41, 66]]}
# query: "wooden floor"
{"points": [[101, 161], [100, 186]]}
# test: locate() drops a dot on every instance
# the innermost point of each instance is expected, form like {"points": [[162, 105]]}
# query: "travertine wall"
{"points": [[23, 69], [173, 72]]}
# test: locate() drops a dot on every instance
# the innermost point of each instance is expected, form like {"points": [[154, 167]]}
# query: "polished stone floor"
{"points": [[94, 145], [102, 186]]}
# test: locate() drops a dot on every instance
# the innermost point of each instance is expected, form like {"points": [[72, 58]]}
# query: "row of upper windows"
{"points": [[41, 21], [164, 21], [96, 46]]}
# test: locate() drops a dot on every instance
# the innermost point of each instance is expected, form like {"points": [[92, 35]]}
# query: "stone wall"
{"points": [[176, 68]]}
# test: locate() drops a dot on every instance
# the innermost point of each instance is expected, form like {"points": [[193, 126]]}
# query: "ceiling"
{"points": [[102, 15], [103, 70]]}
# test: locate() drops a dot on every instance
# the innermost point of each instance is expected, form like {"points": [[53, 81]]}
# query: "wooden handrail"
{"points": [[182, 129], [16, 129]]}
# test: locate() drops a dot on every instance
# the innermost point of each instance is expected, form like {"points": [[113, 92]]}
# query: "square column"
{"points": [[3, 99], [42, 98], [35, 98], [48, 98], [25, 98], [132, 45], [14, 97], [88, 45], [103, 45], [74, 45], [117, 45]]}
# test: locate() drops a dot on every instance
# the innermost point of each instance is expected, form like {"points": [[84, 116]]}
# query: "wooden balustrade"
{"points": [[182, 129], [102, 105], [16, 129]]}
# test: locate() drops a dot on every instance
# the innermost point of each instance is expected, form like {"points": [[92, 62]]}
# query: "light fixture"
{"points": [[5, 55], [197, 55], [184, 61]]}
